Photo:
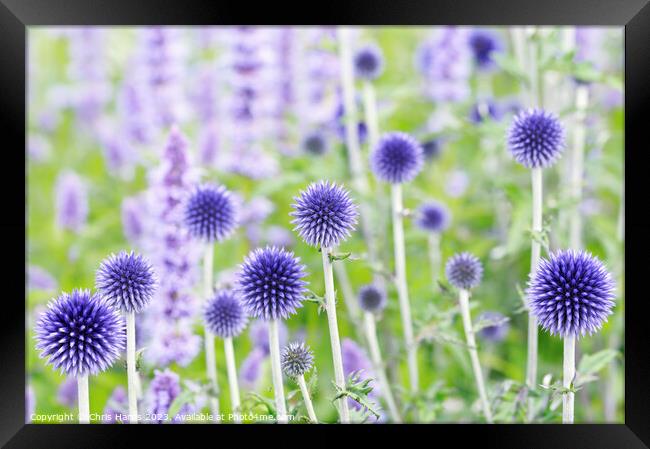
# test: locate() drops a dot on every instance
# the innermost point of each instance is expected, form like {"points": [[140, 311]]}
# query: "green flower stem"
{"points": [[276, 371], [83, 398], [330, 307], [232, 379], [463, 300], [402, 290], [131, 368], [577, 163], [375, 354], [210, 359], [569, 372], [307, 399]]}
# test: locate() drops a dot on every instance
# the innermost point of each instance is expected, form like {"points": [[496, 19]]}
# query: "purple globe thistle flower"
{"points": [[571, 293], [536, 138], [431, 149], [484, 43], [225, 315], [464, 271], [296, 359], [324, 214], [127, 281], [398, 158], [210, 213], [372, 298], [270, 282], [71, 201], [67, 392], [315, 143], [80, 333], [433, 216], [497, 327], [369, 62]]}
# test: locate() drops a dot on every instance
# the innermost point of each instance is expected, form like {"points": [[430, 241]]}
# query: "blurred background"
{"points": [[123, 122]]}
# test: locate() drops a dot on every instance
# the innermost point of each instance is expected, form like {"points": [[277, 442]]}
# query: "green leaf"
{"points": [[339, 256], [183, 398], [592, 363]]}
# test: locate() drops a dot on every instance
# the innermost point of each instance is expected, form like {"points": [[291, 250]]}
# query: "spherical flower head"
{"points": [[536, 138], [372, 298], [484, 43], [296, 359], [369, 62], [464, 271], [225, 315], [270, 283], [398, 158], [315, 143], [210, 213], [571, 293], [80, 333], [127, 281], [431, 149], [497, 327], [324, 214], [433, 217]]}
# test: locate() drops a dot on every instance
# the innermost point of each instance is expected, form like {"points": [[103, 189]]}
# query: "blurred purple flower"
{"points": [[71, 201], [67, 392], [40, 279], [116, 408], [444, 60]]}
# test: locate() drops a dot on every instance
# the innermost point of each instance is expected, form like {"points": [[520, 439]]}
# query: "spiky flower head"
{"points": [[80, 333], [315, 143], [324, 214], [372, 298], [496, 327], [571, 293], [464, 271], [127, 281], [225, 315], [397, 158], [296, 359], [369, 62], [433, 216], [536, 138], [270, 283], [210, 213]]}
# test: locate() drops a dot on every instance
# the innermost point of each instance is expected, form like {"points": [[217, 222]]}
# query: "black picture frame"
{"points": [[634, 15]]}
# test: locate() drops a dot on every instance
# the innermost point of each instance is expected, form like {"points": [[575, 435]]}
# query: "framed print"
{"points": [[396, 219]]}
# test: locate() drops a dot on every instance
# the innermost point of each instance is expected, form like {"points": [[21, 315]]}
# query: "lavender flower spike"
{"points": [[571, 293], [71, 201], [270, 283], [210, 213], [397, 159], [324, 214], [536, 138], [127, 281], [80, 333]]}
